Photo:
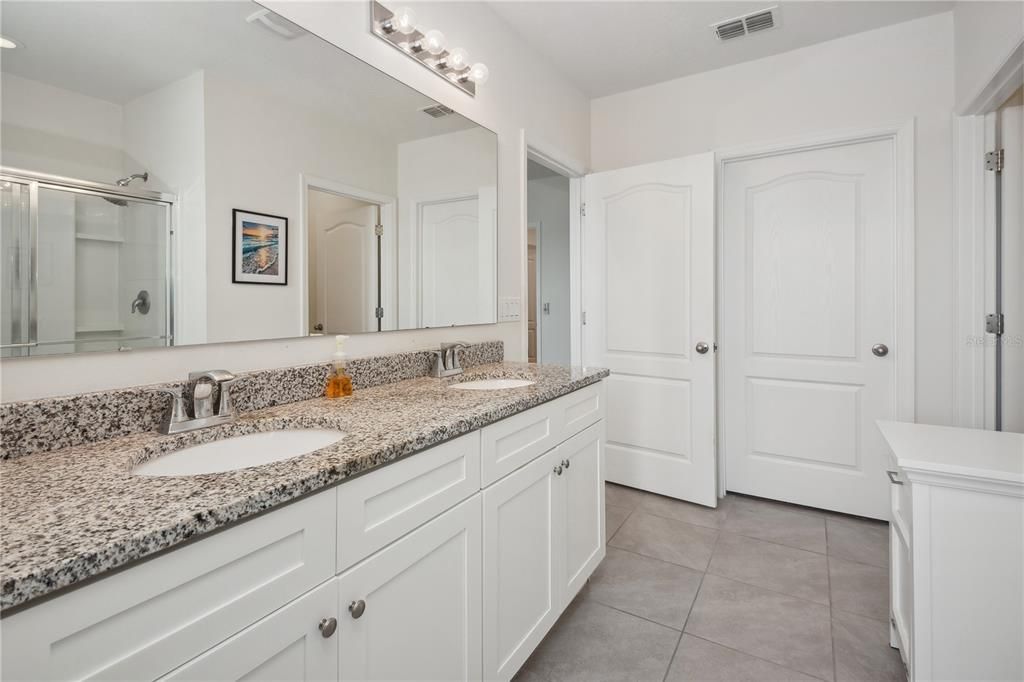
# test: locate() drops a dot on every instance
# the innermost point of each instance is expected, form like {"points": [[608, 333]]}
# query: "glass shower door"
{"points": [[16, 268]]}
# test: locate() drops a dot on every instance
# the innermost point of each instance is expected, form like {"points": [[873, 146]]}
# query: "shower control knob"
{"points": [[880, 350], [703, 348]]}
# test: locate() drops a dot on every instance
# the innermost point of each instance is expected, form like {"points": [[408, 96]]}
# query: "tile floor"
{"points": [[754, 590]]}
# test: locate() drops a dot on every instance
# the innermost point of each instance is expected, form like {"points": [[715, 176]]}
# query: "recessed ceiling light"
{"points": [[8, 43]]}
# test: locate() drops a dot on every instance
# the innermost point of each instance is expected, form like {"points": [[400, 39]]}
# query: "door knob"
{"points": [[328, 626], [566, 463], [880, 350], [558, 470], [357, 608], [703, 348]]}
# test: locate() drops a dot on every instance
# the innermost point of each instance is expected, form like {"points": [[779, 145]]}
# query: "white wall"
{"points": [[524, 92], [38, 134], [548, 207], [441, 167], [985, 34], [890, 75]]}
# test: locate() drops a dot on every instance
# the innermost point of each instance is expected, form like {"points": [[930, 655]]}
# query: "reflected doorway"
{"points": [[548, 248]]}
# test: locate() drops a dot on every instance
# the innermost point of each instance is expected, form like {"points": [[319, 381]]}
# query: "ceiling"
{"points": [[605, 47], [117, 51]]}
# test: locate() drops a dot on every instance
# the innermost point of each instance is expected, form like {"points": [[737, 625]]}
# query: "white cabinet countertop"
{"points": [[975, 453]]}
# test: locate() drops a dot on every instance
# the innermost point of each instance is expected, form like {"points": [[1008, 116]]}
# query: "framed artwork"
{"points": [[259, 253]]}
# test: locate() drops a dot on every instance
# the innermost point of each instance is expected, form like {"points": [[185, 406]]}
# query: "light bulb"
{"points": [[457, 59], [433, 42], [404, 20], [479, 73]]}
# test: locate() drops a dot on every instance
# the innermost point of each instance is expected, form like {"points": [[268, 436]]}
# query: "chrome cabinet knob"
{"points": [[702, 348], [566, 463], [880, 350], [357, 608], [327, 627], [558, 470]]}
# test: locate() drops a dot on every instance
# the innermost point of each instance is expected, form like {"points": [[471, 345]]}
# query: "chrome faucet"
{"points": [[203, 415], [445, 362]]}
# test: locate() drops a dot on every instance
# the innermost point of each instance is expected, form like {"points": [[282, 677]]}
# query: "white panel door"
{"points": [[809, 289], [346, 273], [522, 564], [450, 265], [416, 604], [649, 302]]}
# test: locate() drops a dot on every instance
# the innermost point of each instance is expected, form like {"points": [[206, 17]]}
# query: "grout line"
{"points": [[648, 556], [635, 615], [831, 630], [760, 658], [696, 596]]}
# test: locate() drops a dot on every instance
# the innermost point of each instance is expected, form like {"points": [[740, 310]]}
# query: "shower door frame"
{"points": [[36, 181]]}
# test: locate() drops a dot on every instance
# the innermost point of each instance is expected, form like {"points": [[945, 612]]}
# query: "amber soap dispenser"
{"points": [[340, 383]]}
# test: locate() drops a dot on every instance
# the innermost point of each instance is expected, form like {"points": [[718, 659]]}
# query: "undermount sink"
{"points": [[492, 384], [239, 452]]}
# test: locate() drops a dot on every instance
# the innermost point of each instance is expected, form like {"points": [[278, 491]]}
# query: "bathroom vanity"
{"points": [[439, 538]]}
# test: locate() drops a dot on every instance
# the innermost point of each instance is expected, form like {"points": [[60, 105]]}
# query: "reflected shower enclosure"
{"points": [[85, 266]]}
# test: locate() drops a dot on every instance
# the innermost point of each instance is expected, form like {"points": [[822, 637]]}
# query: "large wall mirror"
{"points": [[179, 173]]}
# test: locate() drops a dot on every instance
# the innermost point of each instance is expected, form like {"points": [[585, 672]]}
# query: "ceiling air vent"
{"points": [[438, 111], [762, 20]]}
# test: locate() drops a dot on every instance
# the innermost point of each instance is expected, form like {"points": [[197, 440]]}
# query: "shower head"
{"points": [[124, 182]]}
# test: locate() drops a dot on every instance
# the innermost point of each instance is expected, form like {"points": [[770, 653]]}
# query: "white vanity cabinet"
{"points": [[543, 537], [957, 551], [450, 564]]}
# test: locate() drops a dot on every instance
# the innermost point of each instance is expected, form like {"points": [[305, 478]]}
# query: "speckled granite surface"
{"points": [[54, 423], [74, 513]]}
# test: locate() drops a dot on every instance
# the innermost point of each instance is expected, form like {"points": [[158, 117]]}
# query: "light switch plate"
{"points": [[508, 309]]}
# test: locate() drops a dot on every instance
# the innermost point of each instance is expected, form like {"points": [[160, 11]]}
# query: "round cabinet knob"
{"points": [[328, 626], [357, 608], [566, 463], [703, 348], [558, 470], [880, 350]]}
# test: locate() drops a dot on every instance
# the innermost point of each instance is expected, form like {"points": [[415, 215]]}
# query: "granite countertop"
{"points": [[75, 513]]}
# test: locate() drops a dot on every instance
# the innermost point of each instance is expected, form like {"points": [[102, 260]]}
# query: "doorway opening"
{"points": [[549, 288], [346, 254]]}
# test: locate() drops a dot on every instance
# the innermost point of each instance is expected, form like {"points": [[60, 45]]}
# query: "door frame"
{"points": [[531, 149], [388, 242], [902, 136], [537, 227]]}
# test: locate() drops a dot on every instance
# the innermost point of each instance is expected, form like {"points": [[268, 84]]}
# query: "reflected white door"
{"points": [[809, 289], [649, 301], [346, 273], [449, 236]]}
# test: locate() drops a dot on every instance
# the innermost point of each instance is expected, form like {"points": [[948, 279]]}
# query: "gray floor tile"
{"points": [[613, 518], [862, 650], [776, 523], [859, 588], [593, 642], [789, 570], [623, 496], [649, 588], [790, 632], [699, 660], [667, 539], [699, 515], [858, 540]]}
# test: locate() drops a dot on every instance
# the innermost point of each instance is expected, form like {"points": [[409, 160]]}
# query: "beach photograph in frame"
{"points": [[260, 248]]}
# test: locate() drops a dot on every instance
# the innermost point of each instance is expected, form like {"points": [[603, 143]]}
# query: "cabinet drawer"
{"points": [[287, 646], [376, 509], [580, 409], [149, 619], [511, 443]]}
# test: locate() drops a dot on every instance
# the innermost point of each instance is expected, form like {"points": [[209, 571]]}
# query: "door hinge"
{"points": [[583, 209], [583, 317], [379, 313], [378, 230], [994, 161], [994, 324]]}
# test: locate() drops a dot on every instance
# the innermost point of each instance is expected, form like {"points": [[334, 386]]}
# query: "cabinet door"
{"points": [[582, 481], [412, 611], [522, 530], [289, 644]]}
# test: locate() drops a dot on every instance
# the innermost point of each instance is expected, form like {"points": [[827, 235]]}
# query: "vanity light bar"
{"points": [[427, 47]]}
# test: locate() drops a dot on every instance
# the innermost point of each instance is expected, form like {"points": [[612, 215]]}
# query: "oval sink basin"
{"points": [[492, 384], [239, 452]]}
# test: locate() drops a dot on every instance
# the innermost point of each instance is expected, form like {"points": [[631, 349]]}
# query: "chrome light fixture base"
{"points": [[409, 44]]}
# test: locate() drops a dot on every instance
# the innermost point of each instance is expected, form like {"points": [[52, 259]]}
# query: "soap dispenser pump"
{"points": [[340, 383]]}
